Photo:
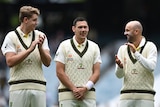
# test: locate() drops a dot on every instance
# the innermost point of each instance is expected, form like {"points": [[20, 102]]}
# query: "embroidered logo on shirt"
{"points": [[69, 57], [134, 71], [80, 66], [28, 62], [18, 48]]}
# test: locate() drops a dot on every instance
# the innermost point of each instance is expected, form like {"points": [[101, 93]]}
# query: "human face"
{"points": [[129, 33], [81, 29], [31, 23]]}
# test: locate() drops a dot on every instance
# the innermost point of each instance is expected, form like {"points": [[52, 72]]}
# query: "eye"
{"points": [[82, 27]]}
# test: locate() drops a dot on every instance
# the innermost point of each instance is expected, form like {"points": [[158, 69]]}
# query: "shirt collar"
{"points": [[77, 44], [142, 42], [21, 33]]}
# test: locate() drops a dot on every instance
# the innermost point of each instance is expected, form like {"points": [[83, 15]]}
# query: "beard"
{"points": [[130, 39]]}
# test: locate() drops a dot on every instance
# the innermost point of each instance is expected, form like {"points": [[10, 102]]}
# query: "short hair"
{"points": [[139, 26], [79, 19], [27, 11]]}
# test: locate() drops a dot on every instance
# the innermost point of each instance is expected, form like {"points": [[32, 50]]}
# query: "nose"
{"points": [[83, 28], [125, 33], [36, 23]]}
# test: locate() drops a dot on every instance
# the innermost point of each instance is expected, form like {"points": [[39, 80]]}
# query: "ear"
{"points": [[136, 31], [73, 28], [25, 19]]}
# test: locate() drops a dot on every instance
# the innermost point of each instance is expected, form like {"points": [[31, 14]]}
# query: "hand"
{"points": [[41, 40], [132, 47], [33, 45], [79, 93], [118, 62]]}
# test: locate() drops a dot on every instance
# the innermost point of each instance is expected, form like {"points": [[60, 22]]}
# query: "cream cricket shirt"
{"points": [[78, 60], [138, 78], [28, 74]]}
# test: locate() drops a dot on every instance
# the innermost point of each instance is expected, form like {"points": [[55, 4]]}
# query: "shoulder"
{"points": [[65, 43], [92, 43], [38, 32], [11, 34], [151, 45], [122, 47]]}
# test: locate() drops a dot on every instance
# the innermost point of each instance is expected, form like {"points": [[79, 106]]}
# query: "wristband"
{"points": [[89, 85]]}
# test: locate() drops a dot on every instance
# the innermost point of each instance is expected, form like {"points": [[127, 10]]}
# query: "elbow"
{"points": [[47, 64], [9, 64], [58, 74], [151, 67]]}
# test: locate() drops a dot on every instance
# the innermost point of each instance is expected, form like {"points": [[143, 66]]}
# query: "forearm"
{"points": [[13, 59], [66, 81], [150, 64], [96, 73], [119, 71], [45, 57]]}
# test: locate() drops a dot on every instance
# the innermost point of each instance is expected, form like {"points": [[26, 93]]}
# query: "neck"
{"points": [[24, 29], [138, 41], [80, 40]]}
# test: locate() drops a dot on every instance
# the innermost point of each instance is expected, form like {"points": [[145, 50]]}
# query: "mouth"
{"points": [[82, 34]]}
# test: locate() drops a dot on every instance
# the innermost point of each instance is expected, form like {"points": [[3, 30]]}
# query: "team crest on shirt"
{"points": [[134, 71], [18, 48], [69, 57], [80, 66], [28, 62]]}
